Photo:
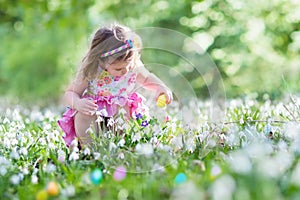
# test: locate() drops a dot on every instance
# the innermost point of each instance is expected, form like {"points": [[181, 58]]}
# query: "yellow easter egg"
{"points": [[161, 101], [41, 195], [52, 188]]}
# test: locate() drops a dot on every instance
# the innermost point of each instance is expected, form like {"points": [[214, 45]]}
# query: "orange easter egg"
{"points": [[52, 188]]}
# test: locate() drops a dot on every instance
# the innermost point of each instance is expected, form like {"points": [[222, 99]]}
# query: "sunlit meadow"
{"points": [[252, 153]]}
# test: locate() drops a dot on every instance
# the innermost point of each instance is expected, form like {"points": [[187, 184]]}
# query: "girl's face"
{"points": [[118, 68]]}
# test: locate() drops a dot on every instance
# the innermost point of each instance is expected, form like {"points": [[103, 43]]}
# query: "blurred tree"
{"points": [[38, 39], [255, 44]]}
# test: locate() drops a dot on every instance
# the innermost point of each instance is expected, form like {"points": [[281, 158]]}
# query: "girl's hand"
{"points": [[86, 106], [165, 91]]}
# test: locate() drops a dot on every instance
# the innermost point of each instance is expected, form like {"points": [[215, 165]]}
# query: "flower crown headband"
{"points": [[128, 45]]}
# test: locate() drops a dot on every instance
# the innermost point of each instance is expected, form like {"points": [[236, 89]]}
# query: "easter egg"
{"points": [[41, 195], [52, 188], [161, 101], [120, 173], [180, 178], [96, 176]]}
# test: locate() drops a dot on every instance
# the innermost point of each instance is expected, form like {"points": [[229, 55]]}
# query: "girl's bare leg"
{"points": [[82, 123]]}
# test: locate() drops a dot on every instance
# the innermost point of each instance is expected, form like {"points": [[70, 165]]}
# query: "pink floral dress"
{"points": [[110, 93]]}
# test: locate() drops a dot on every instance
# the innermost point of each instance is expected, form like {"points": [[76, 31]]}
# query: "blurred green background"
{"points": [[255, 44]]}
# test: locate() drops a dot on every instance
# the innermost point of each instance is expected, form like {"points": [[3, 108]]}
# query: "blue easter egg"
{"points": [[96, 176], [180, 178]]}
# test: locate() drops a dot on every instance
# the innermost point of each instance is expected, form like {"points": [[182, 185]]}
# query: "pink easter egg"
{"points": [[120, 173]]}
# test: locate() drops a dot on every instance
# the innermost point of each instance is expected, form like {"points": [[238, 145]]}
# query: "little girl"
{"points": [[107, 79]]}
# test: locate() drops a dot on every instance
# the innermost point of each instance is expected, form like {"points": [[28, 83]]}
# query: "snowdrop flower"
{"points": [[74, 143], [61, 156], [73, 156], [50, 168], [96, 155], [215, 170], [144, 149], [34, 179], [14, 142], [99, 119], [87, 151], [7, 143], [177, 142], [240, 162], [173, 127], [121, 156], [112, 146], [111, 122], [223, 188], [15, 179], [23, 151], [3, 170], [158, 168], [136, 137], [190, 144], [43, 141], [6, 121], [51, 145], [121, 143], [187, 190], [14, 154], [69, 191], [241, 121], [102, 112], [24, 170], [153, 140]]}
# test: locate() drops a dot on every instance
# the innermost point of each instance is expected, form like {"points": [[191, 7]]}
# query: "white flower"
{"points": [[96, 155], [144, 149], [242, 121], [61, 156], [50, 168], [112, 146], [215, 170], [15, 179], [177, 142], [121, 143], [74, 143], [25, 170], [43, 141], [223, 188], [14, 142], [73, 156], [158, 168], [14, 154], [99, 119], [23, 151], [69, 191], [51, 145], [102, 112], [7, 143], [121, 156], [110, 122], [136, 137], [86, 151], [3, 170], [34, 179], [240, 162]]}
